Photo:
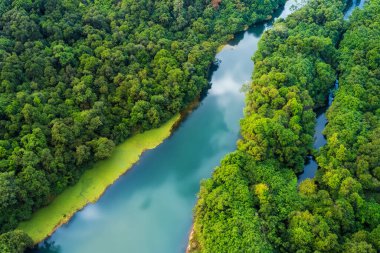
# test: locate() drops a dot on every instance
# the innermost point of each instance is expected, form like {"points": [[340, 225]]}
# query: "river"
{"points": [[311, 165], [149, 209]]}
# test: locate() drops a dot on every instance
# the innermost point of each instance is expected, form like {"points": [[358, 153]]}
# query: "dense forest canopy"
{"points": [[252, 202], [79, 77], [354, 128]]}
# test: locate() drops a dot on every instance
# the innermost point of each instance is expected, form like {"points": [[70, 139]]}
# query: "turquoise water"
{"points": [[149, 209]]}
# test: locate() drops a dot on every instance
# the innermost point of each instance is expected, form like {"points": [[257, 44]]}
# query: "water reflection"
{"points": [[150, 208], [310, 169], [91, 212], [227, 85], [48, 246]]}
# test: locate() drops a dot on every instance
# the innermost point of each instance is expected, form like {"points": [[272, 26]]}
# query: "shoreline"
{"points": [[190, 239], [90, 188], [95, 181]]}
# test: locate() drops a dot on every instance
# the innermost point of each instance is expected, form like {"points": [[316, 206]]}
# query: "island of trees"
{"points": [[252, 202], [78, 77]]}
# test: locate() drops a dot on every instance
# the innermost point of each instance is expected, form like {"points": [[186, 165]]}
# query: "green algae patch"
{"points": [[94, 182]]}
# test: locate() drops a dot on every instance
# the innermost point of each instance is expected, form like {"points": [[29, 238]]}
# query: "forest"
{"points": [[79, 77], [252, 203]]}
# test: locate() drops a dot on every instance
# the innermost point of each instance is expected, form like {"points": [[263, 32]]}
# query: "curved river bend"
{"points": [[149, 209]]}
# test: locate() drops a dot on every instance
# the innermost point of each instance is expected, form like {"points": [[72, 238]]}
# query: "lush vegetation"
{"points": [[78, 77], [252, 202], [354, 128], [350, 162], [93, 182], [14, 242]]}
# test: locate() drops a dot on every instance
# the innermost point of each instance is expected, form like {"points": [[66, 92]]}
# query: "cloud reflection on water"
{"points": [[150, 208], [91, 212]]}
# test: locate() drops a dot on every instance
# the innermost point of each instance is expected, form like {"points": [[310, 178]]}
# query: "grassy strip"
{"points": [[93, 182]]}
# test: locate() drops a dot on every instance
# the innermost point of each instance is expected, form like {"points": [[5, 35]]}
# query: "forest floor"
{"points": [[94, 182]]}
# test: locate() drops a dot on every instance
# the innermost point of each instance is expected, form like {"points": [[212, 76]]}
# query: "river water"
{"points": [[311, 165], [149, 209]]}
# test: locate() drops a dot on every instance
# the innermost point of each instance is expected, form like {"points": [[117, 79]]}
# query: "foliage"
{"points": [[354, 120], [294, 68], [226, 210], [78, 77], [93, 182], [15, 241]]}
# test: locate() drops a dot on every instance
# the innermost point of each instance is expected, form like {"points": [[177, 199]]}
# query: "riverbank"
{"points": [[221, 224], [94, 182], [280, 12], [192, 245]]}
